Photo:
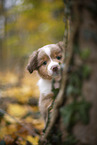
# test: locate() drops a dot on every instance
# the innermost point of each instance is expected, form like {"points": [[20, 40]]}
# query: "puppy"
{"points": [[46, 61]]}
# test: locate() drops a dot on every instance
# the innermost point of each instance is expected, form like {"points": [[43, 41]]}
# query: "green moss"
{"points": [[85, 53]]}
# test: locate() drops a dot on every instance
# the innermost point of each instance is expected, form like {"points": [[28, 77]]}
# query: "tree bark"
{"points": [[87, 134]]}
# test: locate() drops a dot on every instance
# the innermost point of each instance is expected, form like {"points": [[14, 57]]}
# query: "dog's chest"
{"points": [[45, 86]]}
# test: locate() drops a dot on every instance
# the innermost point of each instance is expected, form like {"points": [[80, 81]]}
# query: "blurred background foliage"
{"points": [[26, 25]]}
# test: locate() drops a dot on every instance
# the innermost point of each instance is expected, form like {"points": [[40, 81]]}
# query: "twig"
{"points": [[17, 121]]}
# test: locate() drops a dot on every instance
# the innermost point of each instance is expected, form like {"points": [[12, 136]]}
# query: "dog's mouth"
{"points": [[56, 74], [54, 71]]}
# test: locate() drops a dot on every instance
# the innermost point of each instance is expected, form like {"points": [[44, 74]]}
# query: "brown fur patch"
{"points": [[32, 65], [55, 52], [42, 69]]}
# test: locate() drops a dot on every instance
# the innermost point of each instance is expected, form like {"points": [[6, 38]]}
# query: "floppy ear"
{"points": [[61, 45], [32, 65]]}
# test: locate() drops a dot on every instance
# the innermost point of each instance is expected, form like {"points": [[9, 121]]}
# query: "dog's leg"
{"points": [[44, 104]]}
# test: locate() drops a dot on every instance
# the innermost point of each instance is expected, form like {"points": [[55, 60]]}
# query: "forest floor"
{"points": [[20, 121]]}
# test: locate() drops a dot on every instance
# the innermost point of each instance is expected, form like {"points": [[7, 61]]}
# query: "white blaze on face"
{"points": [[47, 50], [51, 65]]}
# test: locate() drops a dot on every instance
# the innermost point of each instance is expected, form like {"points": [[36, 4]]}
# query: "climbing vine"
{"points": [[78, 109]]}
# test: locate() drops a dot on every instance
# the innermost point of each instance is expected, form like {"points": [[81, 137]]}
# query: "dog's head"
{"points": [[47, 60]]}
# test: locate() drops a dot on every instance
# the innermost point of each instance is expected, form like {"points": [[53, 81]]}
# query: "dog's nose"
{"points": [[55, 69]]}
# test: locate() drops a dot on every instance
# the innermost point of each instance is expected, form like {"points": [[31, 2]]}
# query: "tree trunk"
{"points": [[87, 134]]}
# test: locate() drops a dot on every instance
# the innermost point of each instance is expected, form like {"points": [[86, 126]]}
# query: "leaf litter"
{"points": [[20, 121]]}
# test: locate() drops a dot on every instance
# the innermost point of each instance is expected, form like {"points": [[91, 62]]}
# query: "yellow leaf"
{"points": [[4, 130], [22, 142], [17, 110], [33, 140], [9, 119]]}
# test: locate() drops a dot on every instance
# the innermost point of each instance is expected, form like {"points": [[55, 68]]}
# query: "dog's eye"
{"points": [[45, 62], [58, 57]]}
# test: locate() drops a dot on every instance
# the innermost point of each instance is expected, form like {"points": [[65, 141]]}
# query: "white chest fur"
{"points": [[44, 86]]}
